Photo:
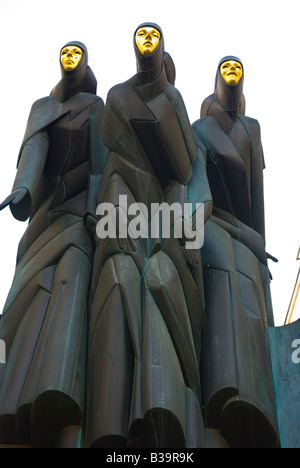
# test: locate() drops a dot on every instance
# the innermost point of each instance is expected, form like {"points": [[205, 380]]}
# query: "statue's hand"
{"points": [[274, 259], [15, 197]]}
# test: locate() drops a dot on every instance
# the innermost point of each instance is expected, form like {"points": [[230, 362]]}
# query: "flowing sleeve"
{"points": [[178, 104], [257, 189], [30, 171], [198, 188], [97, 156]]}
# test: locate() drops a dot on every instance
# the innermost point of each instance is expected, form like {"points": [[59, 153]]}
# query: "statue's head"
{"points": [[231, 71], [70, 56], [228, 91], [151, 58], [76, 74], [147, 39]]}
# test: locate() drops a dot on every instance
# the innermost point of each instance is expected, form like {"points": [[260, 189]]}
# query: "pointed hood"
{"points": [[154, 71], [81, 79], [228, 100], [149, 66], [169, 68], [229, 96]]}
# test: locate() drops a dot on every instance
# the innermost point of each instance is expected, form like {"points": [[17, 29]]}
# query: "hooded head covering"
{"points": [[149, 66], [169, 68], [80, 79], [230, 97], [154, 70]]}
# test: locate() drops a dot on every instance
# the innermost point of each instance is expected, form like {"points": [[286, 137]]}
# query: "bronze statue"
{"points": [[128, 337], [44, 322], [237, 382], [147, 295]]}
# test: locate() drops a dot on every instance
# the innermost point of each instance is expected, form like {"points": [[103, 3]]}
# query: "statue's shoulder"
{"points": [[203, 121], [252, 126], [119, 98], [41, 102], [201, 124], [118, 91], [200, 129], [249, 122], [173, 94]]}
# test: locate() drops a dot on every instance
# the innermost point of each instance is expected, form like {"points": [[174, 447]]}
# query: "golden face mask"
{"points": [[147, 39], [70, 57], [231, 71]]}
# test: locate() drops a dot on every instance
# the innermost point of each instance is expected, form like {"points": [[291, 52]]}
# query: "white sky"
{"points": [[264, 34]]}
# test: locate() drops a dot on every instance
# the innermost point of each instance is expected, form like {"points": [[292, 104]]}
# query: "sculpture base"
{"points": [[285, 355]]}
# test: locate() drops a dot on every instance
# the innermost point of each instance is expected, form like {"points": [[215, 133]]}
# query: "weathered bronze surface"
{"points": [[122, 342], [285, 344], [44, 322], [147, 299], [236, 372]]}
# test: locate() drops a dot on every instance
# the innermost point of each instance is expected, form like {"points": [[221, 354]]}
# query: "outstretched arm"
{"points": [[28, 177], [15, 197]]}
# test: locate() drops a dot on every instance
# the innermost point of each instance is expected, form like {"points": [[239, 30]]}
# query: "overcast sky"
{"points": [[264, 34]]}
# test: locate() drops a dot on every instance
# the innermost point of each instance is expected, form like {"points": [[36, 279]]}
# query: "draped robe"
{"points": [[44, 321], [236, 373], [147, 303]]}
